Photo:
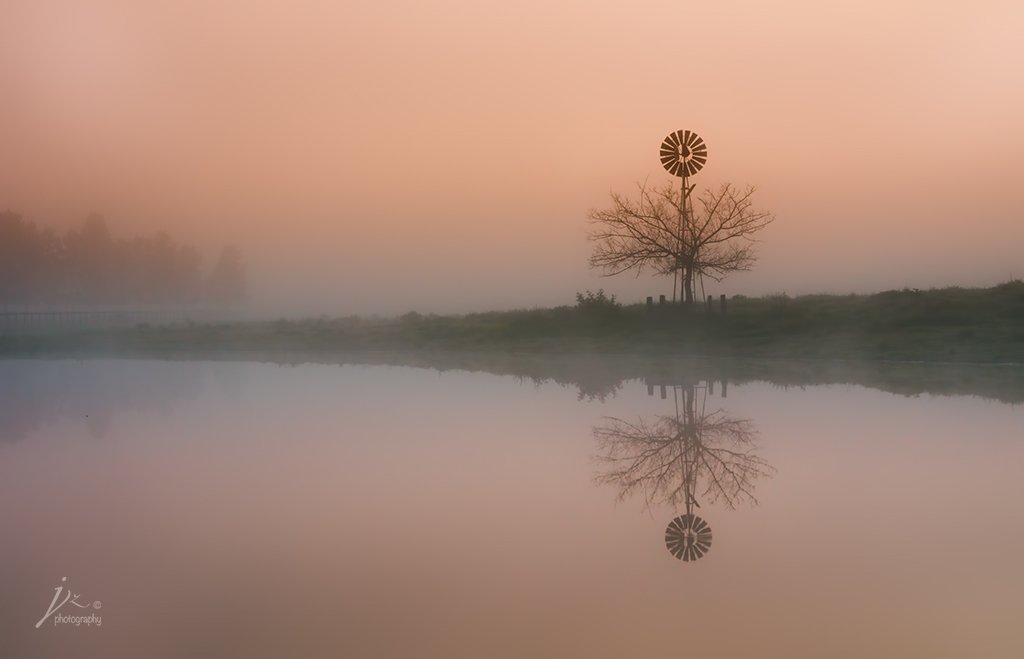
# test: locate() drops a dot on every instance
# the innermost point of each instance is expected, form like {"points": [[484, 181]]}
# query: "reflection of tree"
{"points": [[34, 393], [665, 458], [676, 459]]}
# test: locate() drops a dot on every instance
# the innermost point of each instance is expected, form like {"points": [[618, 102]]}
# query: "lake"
{"points": [[247, 509]]}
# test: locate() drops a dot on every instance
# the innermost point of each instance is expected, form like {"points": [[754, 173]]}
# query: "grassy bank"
{"points": [[949, 325]]}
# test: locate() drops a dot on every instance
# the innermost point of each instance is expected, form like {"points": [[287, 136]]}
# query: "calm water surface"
{"points": [[255, 510]]}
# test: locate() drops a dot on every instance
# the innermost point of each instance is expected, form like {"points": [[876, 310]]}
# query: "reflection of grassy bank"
{"points": [[601, 375], [957, 325]]}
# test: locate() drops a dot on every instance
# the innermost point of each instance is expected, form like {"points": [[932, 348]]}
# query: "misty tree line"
{"points": [[88, 265]]}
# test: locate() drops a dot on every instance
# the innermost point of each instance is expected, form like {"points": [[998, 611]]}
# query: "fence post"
{"points": [[722, 298]]}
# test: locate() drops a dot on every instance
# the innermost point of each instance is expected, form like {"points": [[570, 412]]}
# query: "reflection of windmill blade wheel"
{"points": [[688, 537], [683, 153]]}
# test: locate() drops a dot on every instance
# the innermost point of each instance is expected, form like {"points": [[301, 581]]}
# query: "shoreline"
{"points": [[953, 325]]}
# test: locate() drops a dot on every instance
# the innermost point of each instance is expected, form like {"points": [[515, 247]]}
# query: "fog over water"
{"points": [[259, 510], [382, 157]]}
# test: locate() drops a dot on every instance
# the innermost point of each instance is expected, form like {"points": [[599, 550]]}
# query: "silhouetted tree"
{"points": [[50, 269], [30, 261], [17, 257], [651, 231], [168, 272], [187, 279], [91, 261], [226, 283], [87, 265]]}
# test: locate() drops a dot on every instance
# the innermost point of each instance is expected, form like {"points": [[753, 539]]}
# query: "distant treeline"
{"points": [[88, 265]]}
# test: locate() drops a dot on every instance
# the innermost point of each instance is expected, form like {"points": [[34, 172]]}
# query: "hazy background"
{"points": [[441, 156]]}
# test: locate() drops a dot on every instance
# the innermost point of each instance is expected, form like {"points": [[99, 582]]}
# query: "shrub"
{"points": [[591, 301]]}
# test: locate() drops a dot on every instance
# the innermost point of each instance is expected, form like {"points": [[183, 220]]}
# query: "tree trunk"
{"points": [[687, 295]]}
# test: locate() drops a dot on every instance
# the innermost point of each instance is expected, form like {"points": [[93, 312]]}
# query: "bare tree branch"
{"points": [[650, 231]]}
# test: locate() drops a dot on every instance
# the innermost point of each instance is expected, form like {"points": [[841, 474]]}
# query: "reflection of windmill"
{"points": [[675, 459], [688, 537]]}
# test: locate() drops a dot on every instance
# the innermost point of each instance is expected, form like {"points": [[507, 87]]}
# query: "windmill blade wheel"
{"points": [[683, 153]]}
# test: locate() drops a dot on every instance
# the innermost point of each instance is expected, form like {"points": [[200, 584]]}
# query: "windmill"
{"points": [[683, 154]]}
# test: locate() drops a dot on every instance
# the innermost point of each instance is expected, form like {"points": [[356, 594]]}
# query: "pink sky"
{"points": [[441, 156]]}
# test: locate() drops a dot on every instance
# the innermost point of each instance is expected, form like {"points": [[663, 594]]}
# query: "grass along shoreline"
{"points": [[983, 325]]}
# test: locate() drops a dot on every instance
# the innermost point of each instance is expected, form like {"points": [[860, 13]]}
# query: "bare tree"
{"points": [[661, 231]]}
